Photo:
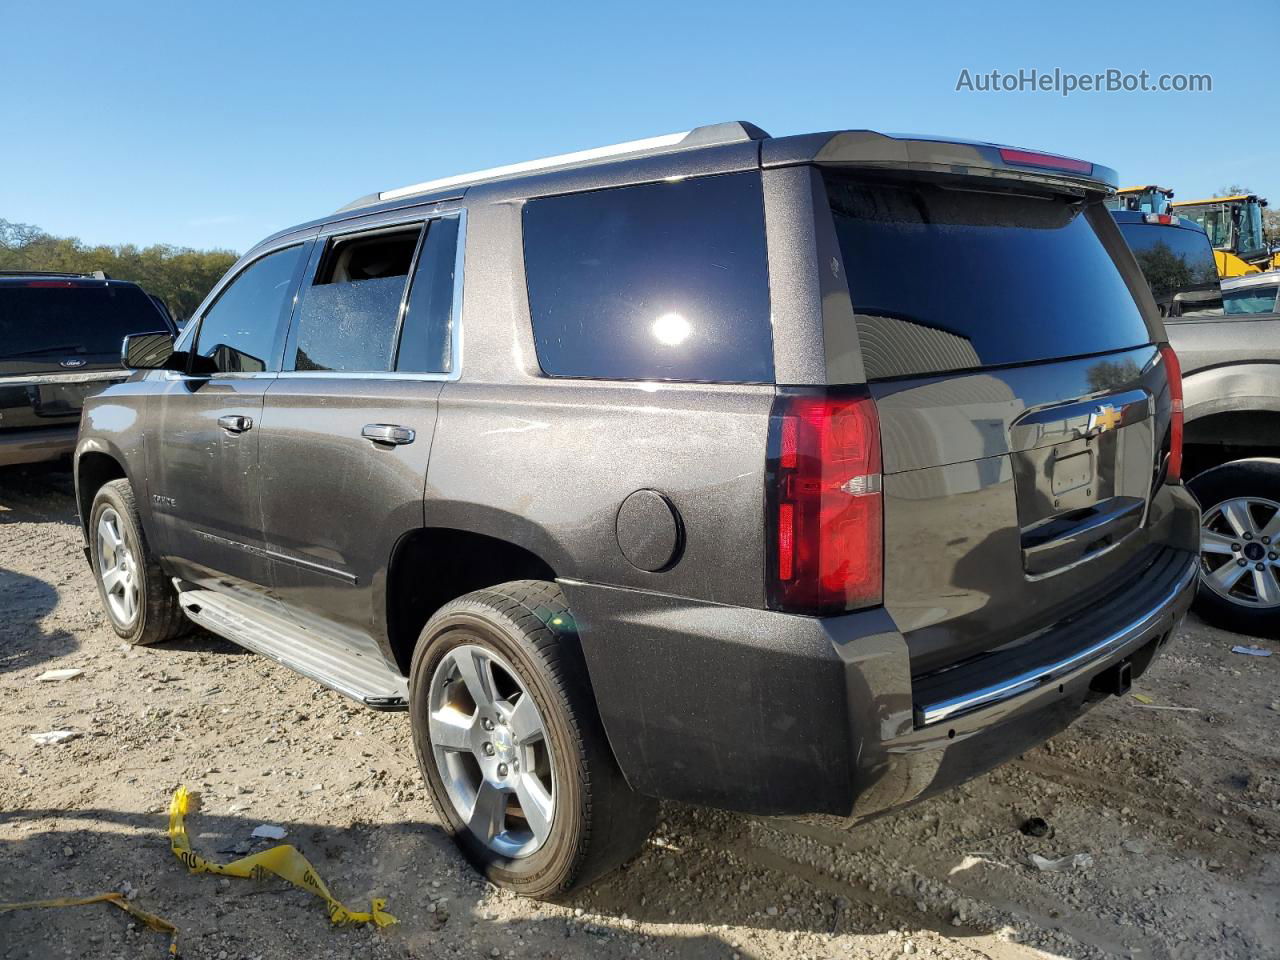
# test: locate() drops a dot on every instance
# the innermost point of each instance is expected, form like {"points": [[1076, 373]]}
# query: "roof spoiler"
{"points": [[868, 149], [735, 131]]}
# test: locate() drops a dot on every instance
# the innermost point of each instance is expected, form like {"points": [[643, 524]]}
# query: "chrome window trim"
{"points": [[455, 313], [187, 336], [360, 375], [229, 375]]}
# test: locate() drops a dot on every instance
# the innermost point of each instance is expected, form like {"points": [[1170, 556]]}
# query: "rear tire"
{"points": [[1240, 504], [523, 637], [140, 603]]}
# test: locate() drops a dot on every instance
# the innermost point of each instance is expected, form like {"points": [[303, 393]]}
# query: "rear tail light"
{"points": [[827, 512], [1048, 161], [1173, 373]]}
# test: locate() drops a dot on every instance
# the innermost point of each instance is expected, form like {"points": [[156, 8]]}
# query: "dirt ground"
{"points": [[1178, 809]]}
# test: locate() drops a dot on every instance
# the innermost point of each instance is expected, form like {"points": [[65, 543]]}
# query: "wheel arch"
{"points": [[1228, 436], [1235, 388], [96, 464], [430, 566]]}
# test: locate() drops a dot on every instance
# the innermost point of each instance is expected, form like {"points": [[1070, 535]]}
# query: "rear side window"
{"points": [[349, 314], [944, 279], [663, 281], [238, 333], [1179, 267], [69, 318]]}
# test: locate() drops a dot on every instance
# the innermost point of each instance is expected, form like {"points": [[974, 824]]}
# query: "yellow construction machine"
{"points": [[1234, 226]]}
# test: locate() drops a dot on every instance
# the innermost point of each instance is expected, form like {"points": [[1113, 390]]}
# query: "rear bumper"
{"points": [[770, 713], [37, 446]]}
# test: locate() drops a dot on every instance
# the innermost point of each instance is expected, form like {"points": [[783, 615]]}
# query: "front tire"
{"points": [[141, 605], [1240, 546], [511, 745]]}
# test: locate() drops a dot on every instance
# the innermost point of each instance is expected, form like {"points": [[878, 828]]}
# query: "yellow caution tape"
{"points": [[284, 861], [158, 924]]}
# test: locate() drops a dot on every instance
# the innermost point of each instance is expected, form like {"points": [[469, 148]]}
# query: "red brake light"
{"points": [[1173, 373], [828, 538], [1049, 161]]}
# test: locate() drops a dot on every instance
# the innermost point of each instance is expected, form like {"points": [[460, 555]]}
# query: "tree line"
{"points": [[180, 276]]}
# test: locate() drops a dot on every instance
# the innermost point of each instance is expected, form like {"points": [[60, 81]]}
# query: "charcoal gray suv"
{"points": [[804, 475]]}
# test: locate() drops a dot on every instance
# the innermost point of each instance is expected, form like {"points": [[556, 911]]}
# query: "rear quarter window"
{"points": [[947, 279], [661, 281]]}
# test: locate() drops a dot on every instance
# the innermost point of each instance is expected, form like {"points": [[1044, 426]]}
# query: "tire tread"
{"points": [[616, 820], [162, 617]]}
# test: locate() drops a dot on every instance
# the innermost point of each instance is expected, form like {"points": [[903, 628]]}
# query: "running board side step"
{"points": [[347, 665]]}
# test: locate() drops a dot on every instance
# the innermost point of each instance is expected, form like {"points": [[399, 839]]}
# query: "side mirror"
{"points": [[151, 351]]}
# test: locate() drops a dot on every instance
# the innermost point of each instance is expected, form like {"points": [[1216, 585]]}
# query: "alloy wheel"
{"points": [[117, 568], [491, 749], [1239, 553]]}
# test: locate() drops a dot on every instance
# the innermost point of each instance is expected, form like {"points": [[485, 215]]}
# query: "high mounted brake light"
{"points": [[827, 514], [1173, 373], [1167, 219], [1046, 161]]}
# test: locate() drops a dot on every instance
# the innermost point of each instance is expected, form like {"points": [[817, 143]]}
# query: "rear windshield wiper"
{"points": [[64, 348]]}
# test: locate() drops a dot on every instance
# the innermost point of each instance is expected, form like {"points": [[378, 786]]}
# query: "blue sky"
{"points": [[215, 124]]}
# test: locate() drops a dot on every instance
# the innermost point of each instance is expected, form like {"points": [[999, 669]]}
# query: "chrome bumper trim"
{"points": [[93, 376], [1031, 679]]}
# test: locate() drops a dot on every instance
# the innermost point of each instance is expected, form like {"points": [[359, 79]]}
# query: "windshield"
{"points": [[1251, 299], [1179, 267], [57, 317], [947, 279]]}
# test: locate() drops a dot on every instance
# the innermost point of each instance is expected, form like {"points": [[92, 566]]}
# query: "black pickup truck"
{"points": [[60, 337], [1231, 386]]}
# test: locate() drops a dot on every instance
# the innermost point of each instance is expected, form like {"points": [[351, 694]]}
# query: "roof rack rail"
{"points": [[735, 131], [95, 275]]}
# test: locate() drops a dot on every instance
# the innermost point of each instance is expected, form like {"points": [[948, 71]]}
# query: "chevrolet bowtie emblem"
{"points": [[1105, 418]]}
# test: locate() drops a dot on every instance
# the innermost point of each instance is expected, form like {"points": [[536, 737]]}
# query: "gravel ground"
{"points": [[1179, 811]]}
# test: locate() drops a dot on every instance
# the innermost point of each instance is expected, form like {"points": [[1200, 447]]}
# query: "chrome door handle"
{"points": [[235, 423], [388, 433]]}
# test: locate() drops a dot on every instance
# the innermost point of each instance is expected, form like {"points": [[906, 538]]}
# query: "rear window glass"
{"points": [[1179, 268], [945, 279], [663, 281], [55, 317], [1250, 299]]}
